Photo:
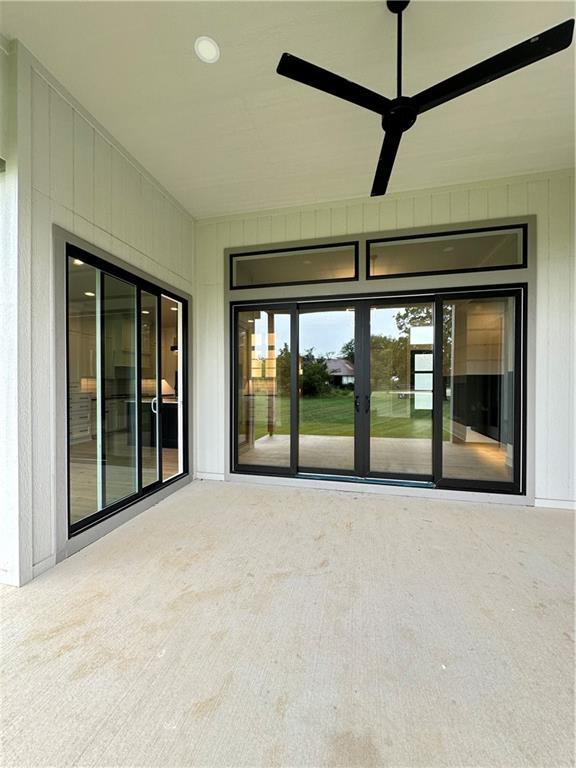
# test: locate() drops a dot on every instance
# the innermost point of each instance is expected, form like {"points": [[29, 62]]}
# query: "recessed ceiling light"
{"points": [[207, 49], [449, 249], [89, 293], [174, 309], [145, 312], [77, 262]]}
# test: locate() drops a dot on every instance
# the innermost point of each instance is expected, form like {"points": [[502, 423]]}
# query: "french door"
{"points": [[127, 383], [420, 390]]}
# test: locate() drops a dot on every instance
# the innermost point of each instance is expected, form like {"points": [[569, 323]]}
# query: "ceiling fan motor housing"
{"points": [[400, 115]]}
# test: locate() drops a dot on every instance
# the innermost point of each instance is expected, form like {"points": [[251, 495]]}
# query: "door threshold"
{"points": [[368, 480]]}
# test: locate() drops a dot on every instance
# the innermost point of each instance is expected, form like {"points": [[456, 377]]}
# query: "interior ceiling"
{"points": [[235, 136]]}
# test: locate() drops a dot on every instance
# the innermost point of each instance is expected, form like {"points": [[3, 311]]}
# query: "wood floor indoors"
{"points": [[300, 628]]}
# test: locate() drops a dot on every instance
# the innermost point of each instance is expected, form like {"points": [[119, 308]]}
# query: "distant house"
{"points": [[341, 372]]}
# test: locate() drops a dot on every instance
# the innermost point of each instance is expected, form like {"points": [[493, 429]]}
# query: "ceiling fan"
{"points": [[399, 114]]}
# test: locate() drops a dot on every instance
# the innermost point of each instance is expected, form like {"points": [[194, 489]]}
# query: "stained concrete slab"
{"points": [[243, 625]]}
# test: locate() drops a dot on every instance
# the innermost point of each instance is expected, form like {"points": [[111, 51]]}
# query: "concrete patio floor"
{"points": [[244, 625]]}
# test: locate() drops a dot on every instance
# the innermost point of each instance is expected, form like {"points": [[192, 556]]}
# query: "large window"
{"points": [[474, 250], [127, 400], [306, 264], [425, 390]]}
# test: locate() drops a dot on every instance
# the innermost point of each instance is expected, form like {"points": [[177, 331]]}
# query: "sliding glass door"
{"points": [[401, 366], [126, 388], [326, 401], [480, 391], [426, 390], [263, 402]]}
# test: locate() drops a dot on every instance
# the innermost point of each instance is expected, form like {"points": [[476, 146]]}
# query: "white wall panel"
{"points": [[548, 196], [40, 134], [404, 213], [61, 151], [42, 395], [102, 183], [83, 168], [79, 178], [440, 208]]}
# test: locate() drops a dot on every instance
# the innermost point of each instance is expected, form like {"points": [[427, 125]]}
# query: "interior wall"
{"points": [[72, 173], [550, 197]]}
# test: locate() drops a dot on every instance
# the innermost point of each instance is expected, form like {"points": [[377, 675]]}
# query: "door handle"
{"points": [[153, 405], [357, 403], [367, 404]]}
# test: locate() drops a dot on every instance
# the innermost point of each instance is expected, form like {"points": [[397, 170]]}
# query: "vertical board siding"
{"points": [[102, 183], [40, 135], [549, 197], [84, 183], [83, 168], [61, 151], [560, 377], [42, 345]]}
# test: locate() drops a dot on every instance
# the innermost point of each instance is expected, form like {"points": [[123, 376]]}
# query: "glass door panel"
{"points": [[401, 372], [120, 448], [478, 382], [126, 417], [326, 389], [171, 391], [149, 387], [84, 427], [263, 380]]}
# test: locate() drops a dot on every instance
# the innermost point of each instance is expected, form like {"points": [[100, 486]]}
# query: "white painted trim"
{"points": [[383, 490], [218, 476], [4, 45], [43, 565], [555, 504]]}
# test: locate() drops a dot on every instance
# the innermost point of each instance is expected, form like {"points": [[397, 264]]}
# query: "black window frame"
{"points": [[141, 284], [447, 234], [287, 250], [519, 291]]}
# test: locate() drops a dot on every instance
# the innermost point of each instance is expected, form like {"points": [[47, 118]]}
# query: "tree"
{"points": [[347, 351], [315, 376], [283, 359]]}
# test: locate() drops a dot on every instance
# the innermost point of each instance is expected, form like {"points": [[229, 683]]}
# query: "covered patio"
{"points": [[284, 626]]}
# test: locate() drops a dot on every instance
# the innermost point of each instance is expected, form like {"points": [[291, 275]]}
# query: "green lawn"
{"points": [[334, 415]]}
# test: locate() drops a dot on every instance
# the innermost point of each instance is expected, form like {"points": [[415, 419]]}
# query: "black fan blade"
{"points": [[309, 74], [386, 162], [538, 47]]}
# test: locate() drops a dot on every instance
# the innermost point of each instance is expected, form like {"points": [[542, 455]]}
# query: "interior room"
{"points": [[288, 426]]}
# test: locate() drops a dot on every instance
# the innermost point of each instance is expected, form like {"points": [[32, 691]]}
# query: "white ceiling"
{"points": [[235, 136]]}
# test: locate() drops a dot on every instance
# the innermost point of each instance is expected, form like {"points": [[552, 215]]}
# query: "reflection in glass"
{"points": [[479, 375], [331, 262], [83, 362], [401, 356], [263, 426], [120, 426], [326, 389], [172, 426], [453, 253], [149, 387]]}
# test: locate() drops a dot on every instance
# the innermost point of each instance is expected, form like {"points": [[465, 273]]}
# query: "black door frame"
{"points": [[140, 284], [366, 377], [362, 304], [518, 483]]}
